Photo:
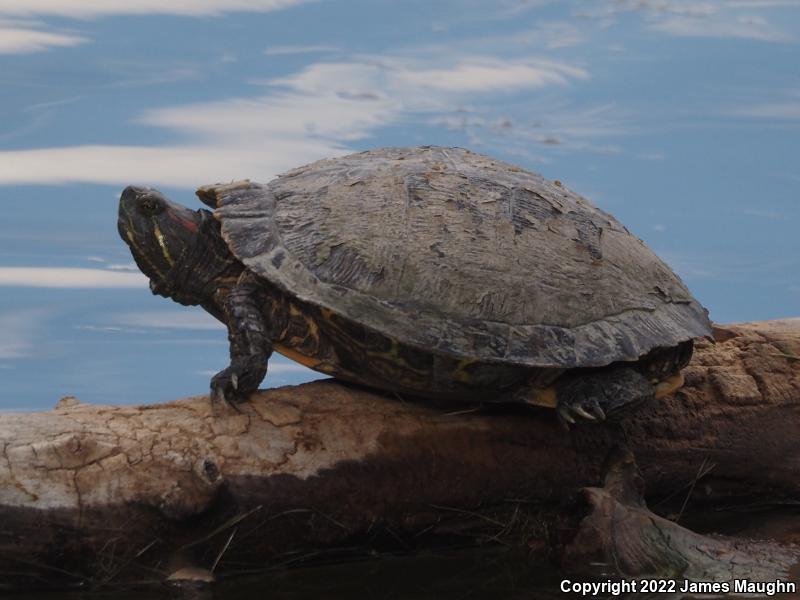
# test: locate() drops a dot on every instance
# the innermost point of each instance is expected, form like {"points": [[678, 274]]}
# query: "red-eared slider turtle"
{"points": [[431, 271]]}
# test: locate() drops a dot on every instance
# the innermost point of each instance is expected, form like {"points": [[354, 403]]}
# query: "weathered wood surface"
{"points": [[627, 540], [121, 493]]}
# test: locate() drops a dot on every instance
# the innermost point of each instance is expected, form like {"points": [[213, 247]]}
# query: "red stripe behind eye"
{"points": [[188, 224]]}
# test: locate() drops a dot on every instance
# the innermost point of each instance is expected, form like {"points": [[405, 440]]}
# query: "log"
{"points": [[119, 494]]}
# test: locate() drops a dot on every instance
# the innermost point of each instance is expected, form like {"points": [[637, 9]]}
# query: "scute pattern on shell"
{"points": [[462, 254]]}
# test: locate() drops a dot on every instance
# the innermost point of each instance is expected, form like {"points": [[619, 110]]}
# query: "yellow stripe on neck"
{"points": [[163, 243]]}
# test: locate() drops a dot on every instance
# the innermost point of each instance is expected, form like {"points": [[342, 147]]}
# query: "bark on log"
{"points": [[99, 494]]}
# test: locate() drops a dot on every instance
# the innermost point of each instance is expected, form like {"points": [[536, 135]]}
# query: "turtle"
{"points": [[428, 271]]}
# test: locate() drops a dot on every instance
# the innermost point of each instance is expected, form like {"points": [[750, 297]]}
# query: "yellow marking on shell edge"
{"points": [[312, 332], [304, 360], [312, 329], [669, 385], [393, 355], [461, 374], [542, 397], [547, 396]]}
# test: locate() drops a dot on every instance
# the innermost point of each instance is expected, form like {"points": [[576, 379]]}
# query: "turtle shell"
{"points": [[460, 254]]}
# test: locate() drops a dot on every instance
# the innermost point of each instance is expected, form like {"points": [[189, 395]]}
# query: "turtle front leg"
{"points": [[250, 345], [591, 396]]}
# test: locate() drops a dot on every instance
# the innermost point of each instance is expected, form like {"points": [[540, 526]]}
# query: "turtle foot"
{"points": [[580, 408], [595, 396], [224, 389], [234, 384], [669, 385]]}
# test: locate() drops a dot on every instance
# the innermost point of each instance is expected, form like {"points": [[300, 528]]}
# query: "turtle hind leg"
{"points": [[592, 395], [612, 391], [662, 363]]}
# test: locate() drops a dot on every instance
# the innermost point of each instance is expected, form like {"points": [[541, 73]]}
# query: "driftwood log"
{"points": [[100, 494]]}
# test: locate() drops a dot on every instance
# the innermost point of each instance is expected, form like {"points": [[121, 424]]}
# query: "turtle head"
{"points": [[158, 231]]}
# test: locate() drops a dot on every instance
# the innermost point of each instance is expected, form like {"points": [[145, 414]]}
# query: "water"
{"points": [[494, 573], [479, 573]]}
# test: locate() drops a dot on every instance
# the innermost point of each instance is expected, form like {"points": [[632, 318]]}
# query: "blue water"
{"points": [[111, 346]]}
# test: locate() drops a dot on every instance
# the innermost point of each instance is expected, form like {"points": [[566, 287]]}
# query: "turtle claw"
{"points": [[597, 411], [225, 389], [229, 401], [581, 412], [217, 396], [234, 384], [220, 398], [599, 396], [564, 417], [583, 408]]}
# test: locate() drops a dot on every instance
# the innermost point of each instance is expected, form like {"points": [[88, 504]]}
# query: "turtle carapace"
{"points": [[430, 271]]}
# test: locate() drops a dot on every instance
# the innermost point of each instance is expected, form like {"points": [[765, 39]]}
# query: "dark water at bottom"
{"points": [[472, 574]]}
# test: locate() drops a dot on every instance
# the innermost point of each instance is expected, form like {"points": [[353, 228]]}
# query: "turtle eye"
{"points": [[150, 206]]}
